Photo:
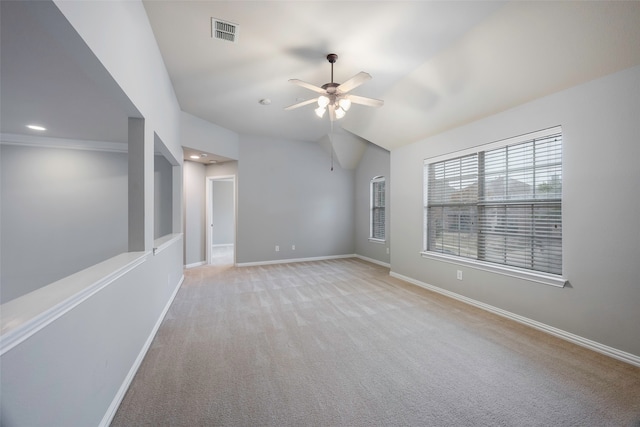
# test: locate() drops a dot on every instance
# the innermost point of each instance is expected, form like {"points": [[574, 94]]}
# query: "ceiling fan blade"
{"points": [[308, 86], [301, 104], [369, 102], [353, 82]]}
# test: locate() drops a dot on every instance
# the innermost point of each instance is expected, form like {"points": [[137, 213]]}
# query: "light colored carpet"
{"points": [[340, 343]]}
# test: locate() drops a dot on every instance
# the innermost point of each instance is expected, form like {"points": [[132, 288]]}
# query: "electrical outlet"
{"points": [[293, 247], [277, 248], [459, 274]]}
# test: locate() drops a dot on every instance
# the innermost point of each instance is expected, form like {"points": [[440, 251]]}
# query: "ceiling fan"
{"points": [[334, 96]]}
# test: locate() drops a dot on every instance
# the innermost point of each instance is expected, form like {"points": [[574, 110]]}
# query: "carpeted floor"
{"points": [[341, 343]]}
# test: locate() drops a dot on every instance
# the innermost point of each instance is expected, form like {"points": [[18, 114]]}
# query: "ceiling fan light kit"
{"points": [[334, 97]]}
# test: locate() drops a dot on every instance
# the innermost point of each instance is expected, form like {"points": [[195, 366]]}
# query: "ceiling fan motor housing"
{"points": [[330, 87]]}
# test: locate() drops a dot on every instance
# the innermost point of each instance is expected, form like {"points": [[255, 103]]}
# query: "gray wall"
{"points": [[194, 212], [287, 196], [601, 207], [376, 161], [162, 197], [206, 136], [63, 210], [223, 169], [75, 369], [222, 213]]}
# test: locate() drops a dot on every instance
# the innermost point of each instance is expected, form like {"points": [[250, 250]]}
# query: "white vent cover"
{"points": [[224, 30]]}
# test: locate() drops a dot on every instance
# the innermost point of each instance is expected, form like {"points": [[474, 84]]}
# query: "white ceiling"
{"points": [[436, 64]]}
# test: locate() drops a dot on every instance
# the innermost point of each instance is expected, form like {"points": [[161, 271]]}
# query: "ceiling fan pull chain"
{"points": [[331, 157], [331, 143]]}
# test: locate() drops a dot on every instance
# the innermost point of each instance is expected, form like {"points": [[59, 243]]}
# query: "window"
{"points": [[376, 231], [501, 205]]}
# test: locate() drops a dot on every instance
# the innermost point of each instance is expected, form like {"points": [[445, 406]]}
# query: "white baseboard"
{"points": [[288, 261], [568, 336], [195, 264], [374, 261], [115, 403]]}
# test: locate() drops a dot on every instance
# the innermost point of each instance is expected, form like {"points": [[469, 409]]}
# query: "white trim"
{"points": [[567, 336], [382, 241], [70, 144], [288, 261], [115, 403], [505, 270], [28, 314], [164, 242], [209, 213], [373, 261], [222, 245], [195, 264]]}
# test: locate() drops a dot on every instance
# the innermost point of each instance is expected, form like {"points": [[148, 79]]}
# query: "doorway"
{"points": [[221, 220]]}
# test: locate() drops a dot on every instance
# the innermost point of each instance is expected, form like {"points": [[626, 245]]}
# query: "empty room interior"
{"points": [[344, 213]]}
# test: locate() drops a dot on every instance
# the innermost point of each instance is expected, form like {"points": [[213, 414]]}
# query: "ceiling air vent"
{"points": [[224, 30]]}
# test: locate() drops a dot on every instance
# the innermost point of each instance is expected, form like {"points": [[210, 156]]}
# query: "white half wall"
{"points": [[75, 370]]}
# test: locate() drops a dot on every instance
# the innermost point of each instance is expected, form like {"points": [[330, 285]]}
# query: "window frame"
{"points": [[522, 273], [375, 181]]}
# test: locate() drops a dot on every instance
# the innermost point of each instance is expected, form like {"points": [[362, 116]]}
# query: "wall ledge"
{"points": [[164, 242], [24, 316], [623, 356]]}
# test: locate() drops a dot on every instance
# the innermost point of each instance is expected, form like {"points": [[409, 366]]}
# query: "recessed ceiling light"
{"points": [[36, 127], [213, 161], [194, 156]]}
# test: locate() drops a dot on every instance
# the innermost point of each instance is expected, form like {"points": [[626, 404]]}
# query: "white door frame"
{"points": [[209, 214]]}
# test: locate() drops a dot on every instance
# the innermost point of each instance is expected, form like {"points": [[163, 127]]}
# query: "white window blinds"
{"points": [[502, 206], [377, 208]]}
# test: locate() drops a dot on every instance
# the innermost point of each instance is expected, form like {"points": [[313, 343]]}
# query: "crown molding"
{"points": [[70, 144]]}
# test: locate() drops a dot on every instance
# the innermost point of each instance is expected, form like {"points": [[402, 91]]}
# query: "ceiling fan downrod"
{"points": [[332, 58]]}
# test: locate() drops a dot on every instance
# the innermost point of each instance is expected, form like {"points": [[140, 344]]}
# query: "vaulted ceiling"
{"points": [[436, 64]]}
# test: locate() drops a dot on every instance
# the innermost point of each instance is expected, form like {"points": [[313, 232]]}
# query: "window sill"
{"points": [[371, 239], [532, 276]]}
